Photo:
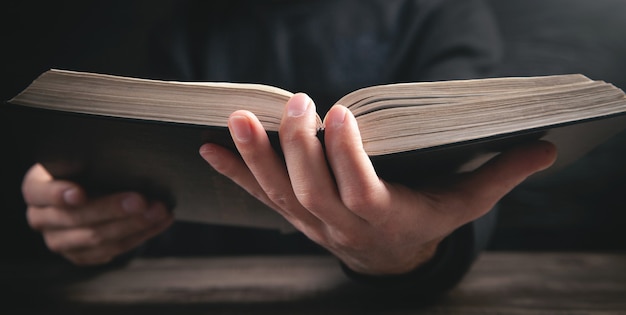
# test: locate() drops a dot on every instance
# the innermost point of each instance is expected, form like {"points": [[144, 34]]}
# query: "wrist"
{"points": [[391, 266], [446, 258], [426, 259]]}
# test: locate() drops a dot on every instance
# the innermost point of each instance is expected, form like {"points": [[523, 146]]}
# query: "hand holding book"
{"points": [[112, 135], [89, 231], [341, 204], [334, 196]]}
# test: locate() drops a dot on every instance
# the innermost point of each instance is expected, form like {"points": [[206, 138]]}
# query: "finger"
{"points": [[40, 189], [96, 211], [106, 253], [484, 187], [360, 188], [268, 169], [312, 182], [230, 165], [82, 238]]}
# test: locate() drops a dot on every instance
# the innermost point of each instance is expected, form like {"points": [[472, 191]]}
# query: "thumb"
{"points": [[484, 187], [40, 189]]}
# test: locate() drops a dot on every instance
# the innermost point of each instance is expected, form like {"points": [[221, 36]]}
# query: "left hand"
{"points": [[89, 231], [334, 196]]}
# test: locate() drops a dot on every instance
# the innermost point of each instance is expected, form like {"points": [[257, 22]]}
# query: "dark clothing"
{"points": [[325, 48], [582, 206], [328, 48]]}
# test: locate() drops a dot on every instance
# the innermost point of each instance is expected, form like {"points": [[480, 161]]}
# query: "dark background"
{"points": [[580, 209]]}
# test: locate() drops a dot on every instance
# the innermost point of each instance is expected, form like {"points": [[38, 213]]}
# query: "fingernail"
{"points": [[336, 117], [240, 126], [132, 203], [207, 148], [207, 152], [72, 196], [155, 212], [298, 105]]}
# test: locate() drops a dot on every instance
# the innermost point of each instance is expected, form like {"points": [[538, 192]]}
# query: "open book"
{"points": [[113, 133]]}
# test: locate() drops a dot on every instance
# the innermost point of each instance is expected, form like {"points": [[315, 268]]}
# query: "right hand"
{"points": [[89, 231], [374, 227]]}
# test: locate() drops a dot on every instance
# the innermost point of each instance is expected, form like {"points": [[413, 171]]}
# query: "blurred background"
{"points": [[583, 208]]}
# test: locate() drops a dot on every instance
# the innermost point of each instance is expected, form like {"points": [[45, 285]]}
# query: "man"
{"points": [[418, 240]]}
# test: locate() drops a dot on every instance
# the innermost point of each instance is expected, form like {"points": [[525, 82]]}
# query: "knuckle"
{"points": [[278, 197], [309, 199], [348, 240], [361, 203], [356, 203], [361, 198]]}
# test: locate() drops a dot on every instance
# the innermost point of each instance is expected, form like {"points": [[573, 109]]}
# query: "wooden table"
{"points": [[499, 283]]}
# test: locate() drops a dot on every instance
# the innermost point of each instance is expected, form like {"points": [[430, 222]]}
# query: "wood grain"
{"points": [[498, 283]]}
